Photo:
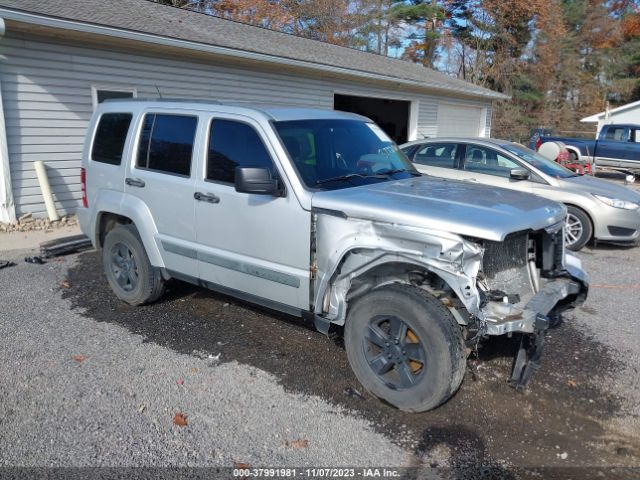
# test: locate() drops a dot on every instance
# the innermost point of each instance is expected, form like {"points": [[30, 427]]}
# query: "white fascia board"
{"points": [[44, 21]]}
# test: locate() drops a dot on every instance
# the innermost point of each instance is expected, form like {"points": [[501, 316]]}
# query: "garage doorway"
{"points": [[391, 115]]}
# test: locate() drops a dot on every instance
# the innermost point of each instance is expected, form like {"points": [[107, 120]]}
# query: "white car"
{"points": [[597, 209]]}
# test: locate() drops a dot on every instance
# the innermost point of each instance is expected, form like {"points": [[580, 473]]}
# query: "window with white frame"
{"points": [[101, 93]]}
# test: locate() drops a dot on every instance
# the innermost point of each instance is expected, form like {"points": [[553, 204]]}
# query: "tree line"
{"points": [[559, 60]]}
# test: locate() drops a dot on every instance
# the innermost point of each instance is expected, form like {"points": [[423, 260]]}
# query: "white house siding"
{"points": [[46, 91]]}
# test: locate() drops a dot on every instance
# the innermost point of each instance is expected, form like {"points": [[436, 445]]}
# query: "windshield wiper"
{"points": [[347, 177], [398, 170]]}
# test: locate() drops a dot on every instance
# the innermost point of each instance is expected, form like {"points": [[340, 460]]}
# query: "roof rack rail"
{"points": [[185, 100]]}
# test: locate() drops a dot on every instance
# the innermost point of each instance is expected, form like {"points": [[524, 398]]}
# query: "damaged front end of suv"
{"points": [[519, 284]]}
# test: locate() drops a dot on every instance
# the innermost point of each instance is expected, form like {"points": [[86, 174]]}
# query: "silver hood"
{"points": [[452, 206]]}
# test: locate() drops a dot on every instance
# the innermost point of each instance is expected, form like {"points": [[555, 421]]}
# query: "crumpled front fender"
{"points": [[348, 248]]}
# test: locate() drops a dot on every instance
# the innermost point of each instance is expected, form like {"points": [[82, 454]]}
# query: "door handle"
{"points": [[134, 182], [206, 197]]}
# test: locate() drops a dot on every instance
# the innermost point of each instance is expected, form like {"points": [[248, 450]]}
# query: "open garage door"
{"points": [[459, 120], [391, 115]]}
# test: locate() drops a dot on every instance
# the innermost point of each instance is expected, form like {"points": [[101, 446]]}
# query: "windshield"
{"points": [[332, 154], [536, 160]]}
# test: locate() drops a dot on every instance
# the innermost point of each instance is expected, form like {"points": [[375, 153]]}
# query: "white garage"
{"points": [[58, 60]]}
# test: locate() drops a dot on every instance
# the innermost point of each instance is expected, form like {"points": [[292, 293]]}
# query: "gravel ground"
{"points": [[76, 392]]}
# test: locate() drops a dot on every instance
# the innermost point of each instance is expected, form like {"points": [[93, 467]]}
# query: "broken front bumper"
{"points": [[553, 293], [566, 291]]}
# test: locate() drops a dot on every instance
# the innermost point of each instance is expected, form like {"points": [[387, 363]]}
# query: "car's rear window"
{"points": [[110, 138]]}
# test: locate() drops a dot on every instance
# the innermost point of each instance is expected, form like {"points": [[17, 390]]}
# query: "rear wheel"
{"points": [[126, 265], [405, 347], [578, 230]]}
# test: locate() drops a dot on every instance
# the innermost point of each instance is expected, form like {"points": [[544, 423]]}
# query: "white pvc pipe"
{"points": [[43, 180]]}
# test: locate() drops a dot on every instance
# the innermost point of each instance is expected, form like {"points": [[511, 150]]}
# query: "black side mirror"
{"points": [[519, 174], [256, 180]]}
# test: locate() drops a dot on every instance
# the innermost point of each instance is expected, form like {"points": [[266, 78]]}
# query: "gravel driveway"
{"points": [[89, 381]]}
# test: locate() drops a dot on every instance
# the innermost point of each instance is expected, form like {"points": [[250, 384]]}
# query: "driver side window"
{"points": [[487, 161], [234, 144]]}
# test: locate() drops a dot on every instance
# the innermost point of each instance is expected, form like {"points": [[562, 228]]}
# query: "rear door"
{"points": [[487, 166], [161, 174], [632, 155], [257, 245]]}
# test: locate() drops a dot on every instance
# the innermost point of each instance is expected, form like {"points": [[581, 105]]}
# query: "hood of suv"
{"points": [[452, 206]]}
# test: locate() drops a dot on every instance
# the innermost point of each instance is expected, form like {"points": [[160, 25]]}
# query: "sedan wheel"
{"points": [[578, 229]]}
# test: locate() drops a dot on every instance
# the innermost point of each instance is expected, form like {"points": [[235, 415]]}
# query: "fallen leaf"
{"points": [[65, 284], [302, 443], [180, 420], [572, 383], [79, 358], [194, 370], [141, 409], [242, 466]]}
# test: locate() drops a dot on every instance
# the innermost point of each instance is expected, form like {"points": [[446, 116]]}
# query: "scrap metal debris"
{"points": [[63, 246], [352, 392], [37, 260]]}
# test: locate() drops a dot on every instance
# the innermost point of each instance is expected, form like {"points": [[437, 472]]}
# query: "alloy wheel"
{"points": [[394, 352], [124, 267]]}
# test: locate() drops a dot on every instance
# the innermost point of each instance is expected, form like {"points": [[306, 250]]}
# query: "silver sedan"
{"points": [[597, 209]]}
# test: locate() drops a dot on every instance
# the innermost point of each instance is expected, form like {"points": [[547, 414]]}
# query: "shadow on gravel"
{"points": [[562, 411]]}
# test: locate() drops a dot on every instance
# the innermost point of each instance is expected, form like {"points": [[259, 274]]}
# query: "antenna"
{"points": [[159, 94]]}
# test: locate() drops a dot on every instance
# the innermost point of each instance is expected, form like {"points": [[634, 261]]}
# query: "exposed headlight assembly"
{"points": [[617, 203]]}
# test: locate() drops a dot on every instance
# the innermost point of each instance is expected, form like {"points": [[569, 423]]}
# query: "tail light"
{"points": [[538, 143], [83, 185]]}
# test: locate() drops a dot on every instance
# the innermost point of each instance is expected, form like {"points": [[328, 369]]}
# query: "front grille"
{"points": [[505, 266]]}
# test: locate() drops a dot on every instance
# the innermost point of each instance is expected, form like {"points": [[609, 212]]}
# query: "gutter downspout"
{"points": [[7, 205]]}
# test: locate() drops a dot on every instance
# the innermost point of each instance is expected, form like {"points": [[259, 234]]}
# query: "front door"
{"points": [[253, 244], [162, 176], [612, 149], [488, 167]]}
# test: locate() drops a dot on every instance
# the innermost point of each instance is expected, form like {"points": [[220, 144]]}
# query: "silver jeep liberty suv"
{"points": [[318, 214]]}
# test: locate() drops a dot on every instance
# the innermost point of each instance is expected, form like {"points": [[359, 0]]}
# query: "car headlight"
{"points": [[617, 203]]}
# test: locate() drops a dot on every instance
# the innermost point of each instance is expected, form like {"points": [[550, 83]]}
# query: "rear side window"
{"points": [[437, 155], [110, 138], [234, 144], [166, 143]]}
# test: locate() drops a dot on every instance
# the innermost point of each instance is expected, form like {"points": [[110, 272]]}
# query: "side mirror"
{"points": [[519, 174], [256, 180]]}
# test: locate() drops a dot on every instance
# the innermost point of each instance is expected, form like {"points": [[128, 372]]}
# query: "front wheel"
{"points": [[578, 229], [405, 347]]}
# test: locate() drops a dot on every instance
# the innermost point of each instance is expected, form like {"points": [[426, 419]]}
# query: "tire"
{"points": [[126, 265], [417, 381], [579, 228]]}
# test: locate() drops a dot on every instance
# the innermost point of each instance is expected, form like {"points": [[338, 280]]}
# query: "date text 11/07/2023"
{"points": [[316, 472]]}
